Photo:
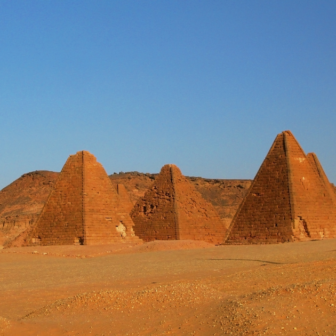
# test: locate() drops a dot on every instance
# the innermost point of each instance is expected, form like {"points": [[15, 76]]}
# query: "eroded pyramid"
{"points": [[173, 209], [289, 199], [83, 208]]}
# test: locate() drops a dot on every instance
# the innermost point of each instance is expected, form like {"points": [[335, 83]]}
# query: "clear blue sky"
{"points": [[206, 85]]}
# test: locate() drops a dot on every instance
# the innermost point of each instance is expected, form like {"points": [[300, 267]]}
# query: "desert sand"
{"points": [[176, 288]]}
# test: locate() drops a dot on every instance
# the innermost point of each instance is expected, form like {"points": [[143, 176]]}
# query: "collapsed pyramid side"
{"points": [[264, 215], [154, 215], [197, 219]]}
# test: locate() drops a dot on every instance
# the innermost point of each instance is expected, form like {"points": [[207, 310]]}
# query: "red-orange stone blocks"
{"points": [[83, 208], [290, 199], [173, 210]]}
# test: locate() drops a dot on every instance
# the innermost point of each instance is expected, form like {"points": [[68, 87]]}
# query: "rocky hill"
{"points": [[22, 201]]}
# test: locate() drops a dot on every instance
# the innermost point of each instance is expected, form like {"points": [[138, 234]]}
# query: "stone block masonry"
{"points": [[290, 199], [172, 209], [83, 208]]}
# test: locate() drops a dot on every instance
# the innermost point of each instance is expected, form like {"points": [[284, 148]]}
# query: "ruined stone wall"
{"points": [[314, 211], [61, 220], [154, 214], [196, 218], [264, 216]]}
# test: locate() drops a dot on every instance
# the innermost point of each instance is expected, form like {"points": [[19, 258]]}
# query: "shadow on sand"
{"points": [[262, 261]]}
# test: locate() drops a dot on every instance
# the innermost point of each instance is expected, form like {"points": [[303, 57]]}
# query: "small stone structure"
{"points": [[83, 208], [172, 209], [290, 199]]}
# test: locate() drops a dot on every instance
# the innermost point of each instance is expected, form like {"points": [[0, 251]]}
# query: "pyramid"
{"points": [[83, 208], [173, 210], [290, 199]]}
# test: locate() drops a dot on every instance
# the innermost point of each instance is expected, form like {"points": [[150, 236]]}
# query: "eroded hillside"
{"points": [[22, 201]]}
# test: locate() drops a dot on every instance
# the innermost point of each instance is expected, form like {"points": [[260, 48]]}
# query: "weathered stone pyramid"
{"points": [[83, 208], [173, 209], [289, 199]]}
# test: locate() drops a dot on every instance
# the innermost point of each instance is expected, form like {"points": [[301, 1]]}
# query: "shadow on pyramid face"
{"points": [[290, 199]]}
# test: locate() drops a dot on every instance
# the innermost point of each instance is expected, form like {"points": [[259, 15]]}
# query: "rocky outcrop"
{"points": [[22, 201]]}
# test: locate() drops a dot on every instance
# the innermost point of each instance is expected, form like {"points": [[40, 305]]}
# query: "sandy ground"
{"points": [[176, 288]]}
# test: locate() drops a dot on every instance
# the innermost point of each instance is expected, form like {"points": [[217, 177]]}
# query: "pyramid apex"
{"points": [[312, 154], [170, 166], [287, 132], [84, 152]]}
